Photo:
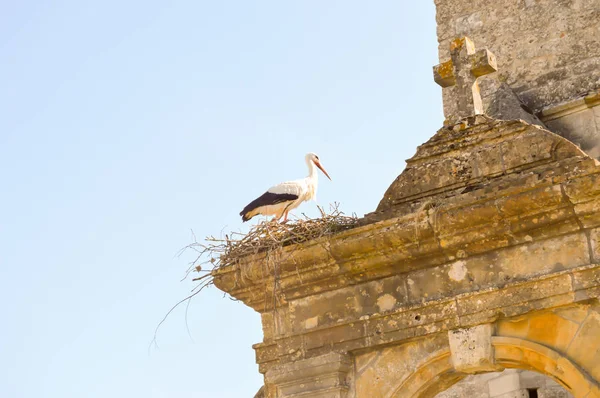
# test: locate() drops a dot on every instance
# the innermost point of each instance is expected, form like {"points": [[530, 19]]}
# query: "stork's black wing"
{"points": [[266, 199]]}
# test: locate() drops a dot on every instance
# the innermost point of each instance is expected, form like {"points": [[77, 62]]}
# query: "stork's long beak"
{"points": [[323, 170]]}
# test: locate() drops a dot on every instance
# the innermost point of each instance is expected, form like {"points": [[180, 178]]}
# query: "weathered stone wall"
{"points": [[483, 255], [548, 51], [539, 340]]}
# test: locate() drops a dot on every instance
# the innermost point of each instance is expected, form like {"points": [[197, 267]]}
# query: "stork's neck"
{"points": [[312, 170]]}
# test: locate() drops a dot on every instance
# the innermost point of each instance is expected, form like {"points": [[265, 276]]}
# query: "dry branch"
{"points": [[266, 236]]}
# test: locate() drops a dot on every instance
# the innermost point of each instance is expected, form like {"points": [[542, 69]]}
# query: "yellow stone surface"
{"points": [[362, 361], [383, 376], [595, 241], [551, 330], [513, 328], [576, 313], [585, 347]]}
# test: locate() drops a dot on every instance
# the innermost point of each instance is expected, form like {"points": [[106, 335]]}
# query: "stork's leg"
{"points": [[285, 216]]}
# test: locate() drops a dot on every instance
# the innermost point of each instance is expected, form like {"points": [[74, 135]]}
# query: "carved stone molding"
{"points": [[319, 377]]}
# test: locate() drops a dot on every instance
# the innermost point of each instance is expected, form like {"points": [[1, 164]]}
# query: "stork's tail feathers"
{"points": [[246, 216], [264, 201]]}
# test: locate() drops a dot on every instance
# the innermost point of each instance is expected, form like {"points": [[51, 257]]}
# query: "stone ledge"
{"points": [[465, 310], [569, 107], [475, 224]]}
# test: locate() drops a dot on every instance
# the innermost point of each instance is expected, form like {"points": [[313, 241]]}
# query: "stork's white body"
{"points": [[281, 198], [305, 189]]}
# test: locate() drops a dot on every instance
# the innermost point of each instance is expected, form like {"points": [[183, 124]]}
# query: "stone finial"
{"points": [[460, 75]]}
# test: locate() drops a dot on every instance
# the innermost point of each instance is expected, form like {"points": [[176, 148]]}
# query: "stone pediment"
{"points": [[477, 153]]}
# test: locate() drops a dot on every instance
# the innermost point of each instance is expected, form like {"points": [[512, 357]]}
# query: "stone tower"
{"points": [[483, 256], [548, 56]]}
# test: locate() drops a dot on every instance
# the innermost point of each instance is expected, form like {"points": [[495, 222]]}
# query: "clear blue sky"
{"points": [[123, 125]]}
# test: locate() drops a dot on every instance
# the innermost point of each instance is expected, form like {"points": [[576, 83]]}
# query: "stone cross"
{"points": [[459, 76]]}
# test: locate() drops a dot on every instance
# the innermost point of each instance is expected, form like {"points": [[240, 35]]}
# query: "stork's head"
{"points": [[311, 157]]}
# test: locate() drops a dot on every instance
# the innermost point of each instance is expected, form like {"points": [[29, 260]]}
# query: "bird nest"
{"points": [[266, 236]]}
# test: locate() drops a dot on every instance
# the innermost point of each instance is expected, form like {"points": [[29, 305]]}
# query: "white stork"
{"points": [[281, 198]]}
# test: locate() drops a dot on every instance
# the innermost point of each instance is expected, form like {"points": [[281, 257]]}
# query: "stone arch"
{"points": [[513, 352], [437, 370], [437, 374]]}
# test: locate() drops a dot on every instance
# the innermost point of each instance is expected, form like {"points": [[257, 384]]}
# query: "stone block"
{"points": [[588, 213], [488, 161], [533, 293], [506, 383], [553, 392], [532, 201], [518, 327], [534, 380], [584, 350], [545, 256], [268, 325], [433, 283], [551, 330], [332, 335], [412, 317], [352, 302], [320, 377], [523, 393], [582, 189], [497, 268], [467, 217], [516, 156], [575, 313], [579, 128], [544, 225], [595, 242], [472, 349], [586, 283]]}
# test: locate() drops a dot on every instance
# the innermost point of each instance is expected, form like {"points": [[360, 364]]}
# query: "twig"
{"points": [[154, 342], [266, 237]]}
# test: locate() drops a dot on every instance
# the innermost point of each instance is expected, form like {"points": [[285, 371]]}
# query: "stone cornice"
{"points": [[434, 316], [529, 207], [569, 107]]}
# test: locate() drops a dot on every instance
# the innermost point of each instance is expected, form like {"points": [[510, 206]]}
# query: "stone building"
{"points": [[478, 274]]}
